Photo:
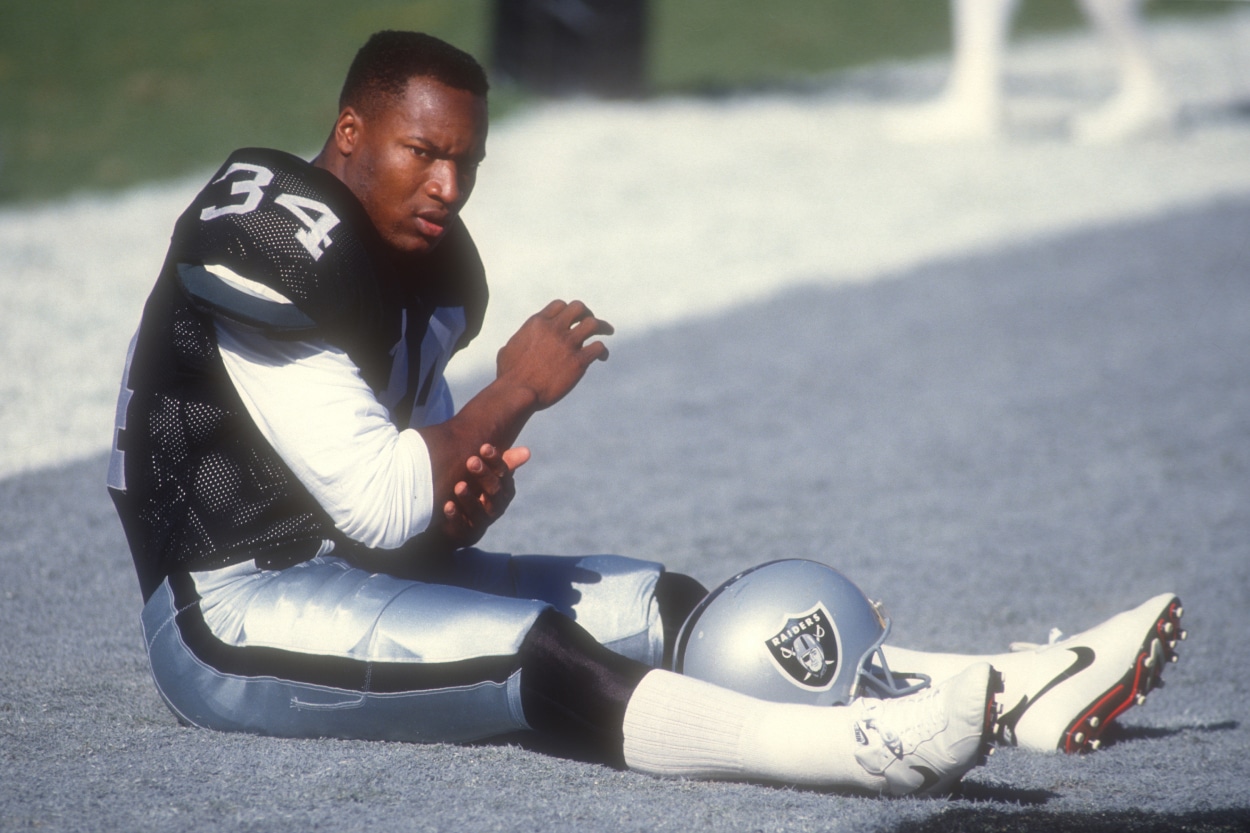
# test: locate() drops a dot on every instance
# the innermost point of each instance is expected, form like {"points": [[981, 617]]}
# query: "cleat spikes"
{"points": [[1180, 611], [1176, 657], [1184, 635], [1103, 671]]}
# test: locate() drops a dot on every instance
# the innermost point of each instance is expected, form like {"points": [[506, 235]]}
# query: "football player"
{"points": [[302, 499]]}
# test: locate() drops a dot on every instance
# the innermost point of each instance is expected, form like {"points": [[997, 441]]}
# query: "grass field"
{"points": [[99, 95]]}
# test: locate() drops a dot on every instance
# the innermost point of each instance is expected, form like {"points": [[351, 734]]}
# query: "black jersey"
{"points": [[195, 483]]}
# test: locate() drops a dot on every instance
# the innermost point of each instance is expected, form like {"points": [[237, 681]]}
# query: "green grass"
{"points": [[98, 95], [101, 94]]}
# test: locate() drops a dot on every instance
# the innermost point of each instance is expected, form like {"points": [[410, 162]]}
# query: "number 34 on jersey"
{"points": [[316, 217]]}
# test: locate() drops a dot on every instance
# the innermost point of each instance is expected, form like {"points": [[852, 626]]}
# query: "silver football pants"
{"points": [[324, 649]]}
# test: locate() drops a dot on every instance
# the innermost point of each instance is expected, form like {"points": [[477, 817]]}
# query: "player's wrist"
{"points": [[515, 396]]}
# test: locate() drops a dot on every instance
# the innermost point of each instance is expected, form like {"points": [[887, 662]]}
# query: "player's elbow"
{"points": [[390, 501]]}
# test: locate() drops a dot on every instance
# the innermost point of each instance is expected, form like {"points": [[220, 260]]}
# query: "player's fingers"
{"points": [[591, 326], [468, 504], [489, 473], [574, 312], [595, 351], [516, 457], [455, 521], [552, 309], [494, 505], [496, 461]]}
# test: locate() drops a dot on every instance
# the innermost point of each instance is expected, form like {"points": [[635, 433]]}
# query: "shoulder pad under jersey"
{"points": [[276, 243]]}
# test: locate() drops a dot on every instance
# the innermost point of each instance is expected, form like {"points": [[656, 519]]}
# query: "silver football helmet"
{"points": [[792, 631]]}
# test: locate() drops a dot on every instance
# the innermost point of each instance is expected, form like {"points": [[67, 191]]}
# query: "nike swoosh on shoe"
{"points": [[1008, 720], [930, 779]]}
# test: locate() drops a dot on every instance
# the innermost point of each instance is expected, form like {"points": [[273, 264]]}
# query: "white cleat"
{"points": [[1077, 686], [922, 744]]}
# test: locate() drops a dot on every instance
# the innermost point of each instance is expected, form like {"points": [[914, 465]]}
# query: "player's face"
{"points": [[414, 164]]}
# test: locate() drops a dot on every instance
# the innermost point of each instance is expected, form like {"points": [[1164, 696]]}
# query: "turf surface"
{"points": [[1037, 436]]}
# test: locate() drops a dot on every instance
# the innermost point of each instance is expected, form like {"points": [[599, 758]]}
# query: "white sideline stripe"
{"points": [[658, 211]]}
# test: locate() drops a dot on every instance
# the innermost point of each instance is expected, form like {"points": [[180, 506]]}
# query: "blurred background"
{"points": [[98, 95]]}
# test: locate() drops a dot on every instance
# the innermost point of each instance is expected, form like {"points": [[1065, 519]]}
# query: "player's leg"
{"points": [[1063, 694], [323, 649], [970, 106], [611, 706], [634, 607], [1141, 105], [666, 724], [677, 595]]}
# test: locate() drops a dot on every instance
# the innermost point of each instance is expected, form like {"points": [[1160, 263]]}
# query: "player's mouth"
{"points": [[432, 224]]}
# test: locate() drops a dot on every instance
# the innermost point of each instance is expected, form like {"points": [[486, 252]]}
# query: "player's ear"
{"points": [[347, 131]]}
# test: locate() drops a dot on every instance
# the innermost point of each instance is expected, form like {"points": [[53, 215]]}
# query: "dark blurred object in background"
{"points": [[568, 47]]}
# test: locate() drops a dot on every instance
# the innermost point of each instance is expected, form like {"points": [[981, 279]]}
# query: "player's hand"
{"points": [[484, 495], [538, 366], [549, 355]]}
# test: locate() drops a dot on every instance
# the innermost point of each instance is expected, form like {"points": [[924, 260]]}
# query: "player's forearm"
{"points": [[495, 415]]}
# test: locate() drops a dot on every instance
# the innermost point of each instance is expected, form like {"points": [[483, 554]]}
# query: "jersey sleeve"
{"points": [[229, 295], [311, 404]]}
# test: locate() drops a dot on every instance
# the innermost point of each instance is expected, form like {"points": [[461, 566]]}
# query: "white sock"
{"points": [[680, 726], [1014, 667]]}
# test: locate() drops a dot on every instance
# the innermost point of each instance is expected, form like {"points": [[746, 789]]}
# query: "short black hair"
{"points": [[389, 59]]}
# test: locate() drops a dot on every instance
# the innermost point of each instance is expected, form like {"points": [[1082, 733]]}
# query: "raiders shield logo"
{"points": [[805, 650]]}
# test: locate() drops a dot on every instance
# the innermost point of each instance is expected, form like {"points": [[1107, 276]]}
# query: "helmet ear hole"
{"points": [[791, 631]]}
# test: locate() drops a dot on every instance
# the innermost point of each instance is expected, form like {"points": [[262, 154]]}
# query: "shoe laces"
{"points": [[1054, 636], [904, 723]]}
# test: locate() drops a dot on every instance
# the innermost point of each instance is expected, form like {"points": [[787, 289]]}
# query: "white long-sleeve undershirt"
{"points": [[312, 405]]}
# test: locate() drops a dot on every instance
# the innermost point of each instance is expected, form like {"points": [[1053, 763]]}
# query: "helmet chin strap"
{"points": [[879, 678]]}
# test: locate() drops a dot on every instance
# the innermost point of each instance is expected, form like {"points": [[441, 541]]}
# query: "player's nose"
{"points": [[444, 183]]}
